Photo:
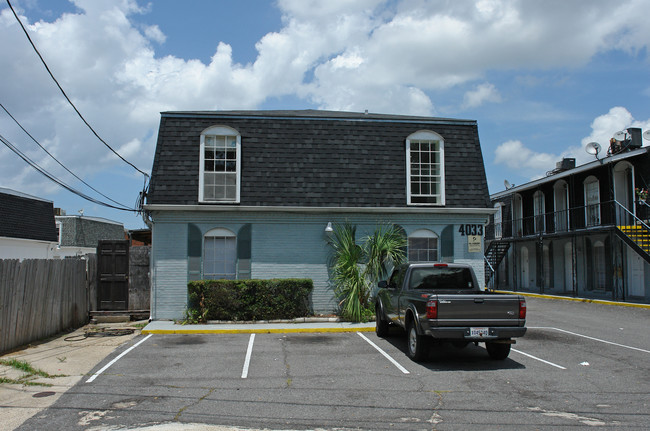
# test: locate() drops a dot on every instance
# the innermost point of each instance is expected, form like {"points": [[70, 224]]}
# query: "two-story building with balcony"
{"points": [[580, 231]]}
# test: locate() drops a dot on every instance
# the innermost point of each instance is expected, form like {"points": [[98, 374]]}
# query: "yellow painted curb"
{"points": [[568, 298], [255, 331]]}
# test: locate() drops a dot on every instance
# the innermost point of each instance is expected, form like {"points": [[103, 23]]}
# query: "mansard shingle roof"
{"points": [[317, 158]]}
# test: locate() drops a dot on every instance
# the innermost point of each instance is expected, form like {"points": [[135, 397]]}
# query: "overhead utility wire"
{"points": [[56, 180], [55, 159], [66, 96]]}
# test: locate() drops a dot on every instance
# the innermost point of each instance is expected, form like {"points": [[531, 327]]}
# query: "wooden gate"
{"points": [[113, 275]]}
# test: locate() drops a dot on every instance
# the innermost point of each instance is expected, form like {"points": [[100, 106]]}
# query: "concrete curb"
{"points": [[169, 327], [568, 298]]}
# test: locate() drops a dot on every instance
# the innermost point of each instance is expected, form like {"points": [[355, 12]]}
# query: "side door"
{"points": [[113, 275]]}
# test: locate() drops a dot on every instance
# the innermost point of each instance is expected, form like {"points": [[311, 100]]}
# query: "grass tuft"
{"points": [[29, 372]]}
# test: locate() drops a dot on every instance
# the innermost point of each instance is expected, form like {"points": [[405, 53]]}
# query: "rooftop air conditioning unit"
{"points": [[635, 137], [566, 164]]}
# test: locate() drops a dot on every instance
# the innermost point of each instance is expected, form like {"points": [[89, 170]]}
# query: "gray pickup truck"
{"points": [[437, 302]]}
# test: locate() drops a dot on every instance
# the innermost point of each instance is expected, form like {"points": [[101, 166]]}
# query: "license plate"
{"points": [[479, 332]]}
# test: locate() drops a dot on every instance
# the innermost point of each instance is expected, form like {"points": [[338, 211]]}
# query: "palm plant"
{"points": [[356, 267]]}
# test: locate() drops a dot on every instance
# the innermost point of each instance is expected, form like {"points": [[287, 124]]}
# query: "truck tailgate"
{"points": [[478, 310]]}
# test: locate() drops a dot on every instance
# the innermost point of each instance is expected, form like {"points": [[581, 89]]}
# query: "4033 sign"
{"points": [[471, 229]]}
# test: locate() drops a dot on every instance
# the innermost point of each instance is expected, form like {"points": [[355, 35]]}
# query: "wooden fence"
{"points": [[39, 298]]}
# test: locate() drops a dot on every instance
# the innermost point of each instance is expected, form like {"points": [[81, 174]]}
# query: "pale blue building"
{"points": [[250, 194]]}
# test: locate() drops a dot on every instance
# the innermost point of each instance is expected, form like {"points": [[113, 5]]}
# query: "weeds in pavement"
{"points": [[29, 373]]}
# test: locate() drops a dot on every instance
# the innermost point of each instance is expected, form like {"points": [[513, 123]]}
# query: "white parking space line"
{"points": [[592, 338], [107, 366], [386, 355], [539, 359], [249, 352]]}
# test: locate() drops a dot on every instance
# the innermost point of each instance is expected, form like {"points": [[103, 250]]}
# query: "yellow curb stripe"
{"points": [[255, 331], [568, 298]]}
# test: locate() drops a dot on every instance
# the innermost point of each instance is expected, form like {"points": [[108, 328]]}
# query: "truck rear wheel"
{"points": [[381, 326], [416, 344], [498, 351]]}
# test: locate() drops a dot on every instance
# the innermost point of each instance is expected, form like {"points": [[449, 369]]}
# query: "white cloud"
{"points": [[532, 164], [349, 61], [481, 94], [154, 33], [383, 56], [604, 126], [431, 46], [516, 156]]}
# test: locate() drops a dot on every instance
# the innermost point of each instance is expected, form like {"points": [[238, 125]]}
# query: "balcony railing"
{"points": [[604, 214]]}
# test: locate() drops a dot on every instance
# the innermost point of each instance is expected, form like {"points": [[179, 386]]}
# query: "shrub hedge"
{"points": [[248, 299]]}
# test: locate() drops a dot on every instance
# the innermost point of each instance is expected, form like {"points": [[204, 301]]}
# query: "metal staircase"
{"points": [[639, 234], [494, 254], [636, 235]]}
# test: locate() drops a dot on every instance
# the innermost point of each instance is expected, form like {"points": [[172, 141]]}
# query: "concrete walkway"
{"points": [[66, 357], [169, 327]]}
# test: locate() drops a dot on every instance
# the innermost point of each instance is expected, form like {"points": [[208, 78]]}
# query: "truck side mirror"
{"points": [[382, 284]]}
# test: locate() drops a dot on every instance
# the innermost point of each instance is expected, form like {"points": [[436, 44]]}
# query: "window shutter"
{"points": [[447, 244], [244, 239], [194, 247]]}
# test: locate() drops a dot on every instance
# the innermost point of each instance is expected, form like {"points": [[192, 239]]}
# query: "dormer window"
{"points": [[425, 169], [220, 165]]}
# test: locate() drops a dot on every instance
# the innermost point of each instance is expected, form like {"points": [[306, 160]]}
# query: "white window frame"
{"points": [[517, 215], [539, 211], [561, 194], [426, 135], [219, 233], [589, 204], [428, 234], [219, 131], [498, 221]]}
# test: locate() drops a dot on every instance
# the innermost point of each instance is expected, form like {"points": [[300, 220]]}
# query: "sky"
{"points": [[541, 78]]}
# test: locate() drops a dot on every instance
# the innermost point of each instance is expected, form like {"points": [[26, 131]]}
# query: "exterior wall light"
{"points": [[329, 228]]}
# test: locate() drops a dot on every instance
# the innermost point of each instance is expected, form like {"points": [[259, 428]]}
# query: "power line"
{"points": [[66, 96], [55, 159], [58, 181]]}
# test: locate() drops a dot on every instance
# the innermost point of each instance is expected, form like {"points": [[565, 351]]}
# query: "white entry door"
{"points": [[524, 268], [635, 285], [568, 267]]}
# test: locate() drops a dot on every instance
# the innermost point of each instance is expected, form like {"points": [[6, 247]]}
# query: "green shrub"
{"points": [[248, 299]]}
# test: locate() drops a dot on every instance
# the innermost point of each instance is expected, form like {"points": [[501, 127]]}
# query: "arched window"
{"points": [[425, 168], [561, 202], [624, 192], [517, 215], [220, 165], [423, 246], [498, 220], [592, 201], [539, 208], [219, 254]]}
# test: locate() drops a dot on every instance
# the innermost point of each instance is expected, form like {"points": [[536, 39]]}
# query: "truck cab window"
{"points": [[441, 278]]}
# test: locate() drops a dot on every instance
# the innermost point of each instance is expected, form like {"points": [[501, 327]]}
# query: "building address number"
{"points": [[471, 229]]}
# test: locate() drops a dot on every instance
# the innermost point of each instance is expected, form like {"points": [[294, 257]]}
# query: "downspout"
{"points": [[146, 218], [152, 277]]}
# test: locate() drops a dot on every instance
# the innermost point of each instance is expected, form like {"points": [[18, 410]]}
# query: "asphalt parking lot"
{"points": [[580, 365]]}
